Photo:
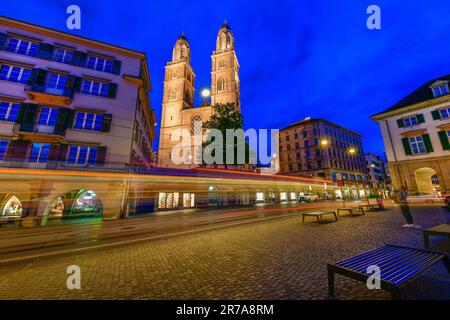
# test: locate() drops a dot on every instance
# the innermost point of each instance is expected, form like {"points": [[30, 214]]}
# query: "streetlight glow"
{"points": [[324, 142], [205, 93]]}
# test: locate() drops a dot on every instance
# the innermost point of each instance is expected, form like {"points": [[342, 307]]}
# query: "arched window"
{"points": [[175, 75], [222, 64], [221, 85], [13, 207], [196, 124], [173, 94]]}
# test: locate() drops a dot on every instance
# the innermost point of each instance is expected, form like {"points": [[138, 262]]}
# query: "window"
{"points": [[306, 143], [9, 111], [196, 124], [445, 113], [316, 141], [222, 64], [48, 117], [100, 64], [81, 155], [221, 85], [39, 152], [417, 145], [440, 90], [14, 74], [63, 55], [88, 121], [95, 88], [412, 121], [21, 46], [3, 148], [56, 81], [308, 155]]}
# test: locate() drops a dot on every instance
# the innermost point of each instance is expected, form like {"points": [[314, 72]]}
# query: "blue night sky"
{"points": [[298, 58]]}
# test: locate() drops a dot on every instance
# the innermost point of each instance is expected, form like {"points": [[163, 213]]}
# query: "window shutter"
{"points": [[63, 147], [38, 76], [112, 90], [427, 142], [116, 66], [69, 89], [70, 118], [53, 156], [77, 84], [107, 118], [444, 140], [45, 51], [101, 155], [420, 118], [17, 151], [60, 128], [3, 38], [79, 59], [406, 146], [436, 114], [400, 123], [27, 116]]}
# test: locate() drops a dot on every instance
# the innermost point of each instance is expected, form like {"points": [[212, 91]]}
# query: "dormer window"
{"points": [[440, 88]]}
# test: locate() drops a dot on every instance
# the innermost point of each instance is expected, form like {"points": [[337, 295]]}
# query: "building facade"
{"points": [[416, 136], [68, 101], [178, 111], [320, 148], [71, 103], [379, 179]]}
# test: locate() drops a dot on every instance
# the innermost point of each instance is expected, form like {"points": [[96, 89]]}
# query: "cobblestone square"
{"points": [[277, 259]]}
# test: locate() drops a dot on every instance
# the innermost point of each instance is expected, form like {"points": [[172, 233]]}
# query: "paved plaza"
{"points": [[275, 259]]}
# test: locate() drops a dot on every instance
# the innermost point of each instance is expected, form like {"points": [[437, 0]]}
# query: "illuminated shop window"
{"points": [[13, 207]]}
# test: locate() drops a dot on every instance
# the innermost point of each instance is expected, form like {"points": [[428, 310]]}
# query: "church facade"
{"points": [[178, 111]]}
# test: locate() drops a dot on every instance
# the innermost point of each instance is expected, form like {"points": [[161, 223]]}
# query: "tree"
{"points": [[227, 116]]}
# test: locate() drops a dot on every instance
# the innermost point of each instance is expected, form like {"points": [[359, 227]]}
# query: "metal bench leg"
{"points": [[395, 293], [426, 240], [330, 282], [335, 217], [446, 262], [303, 218], [318, 219]]}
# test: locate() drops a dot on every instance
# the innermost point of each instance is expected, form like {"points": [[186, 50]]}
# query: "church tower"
{"points": [[225, 83], [178, 96]]}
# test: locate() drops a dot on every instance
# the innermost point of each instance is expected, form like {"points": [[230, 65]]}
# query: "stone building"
{"points": [[320, 148], [178, 111], [416, 133]]}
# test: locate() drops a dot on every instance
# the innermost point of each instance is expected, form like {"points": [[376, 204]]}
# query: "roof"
{"points": [[52, 32], [421, 94], [312, 120]]}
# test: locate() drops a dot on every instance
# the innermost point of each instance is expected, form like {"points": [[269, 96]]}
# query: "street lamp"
{"points": [[352, 150], [324, 142], [206, 93]]}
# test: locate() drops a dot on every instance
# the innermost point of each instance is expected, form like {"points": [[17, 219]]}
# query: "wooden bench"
{"points": [[441, 230], [319, 215], [351, 210], [397, 265]]}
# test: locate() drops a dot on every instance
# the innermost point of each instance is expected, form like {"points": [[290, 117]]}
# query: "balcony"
{"points": [[44, 94], [36, 165], [45, 129]]}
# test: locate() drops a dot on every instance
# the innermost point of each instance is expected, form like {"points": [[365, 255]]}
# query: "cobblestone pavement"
{"points": [[277, 259]]}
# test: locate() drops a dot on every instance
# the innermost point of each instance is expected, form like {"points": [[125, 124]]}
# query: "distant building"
{"points": [[378, 175], [71, 102], [320, 148], [416, 135]]}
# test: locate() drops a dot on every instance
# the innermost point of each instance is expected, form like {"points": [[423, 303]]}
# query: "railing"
{"points": [[44, 129], [66, 92], [36, 165]]}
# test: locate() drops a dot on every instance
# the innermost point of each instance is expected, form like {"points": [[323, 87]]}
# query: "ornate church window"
{"points": [[196, 124], [221, 85], [173, 94]]}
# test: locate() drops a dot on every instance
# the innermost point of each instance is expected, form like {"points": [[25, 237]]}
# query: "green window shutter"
{"points": [[400, 123], [407, 146], [435, 114], [427, 142], [107, 118], [112, 90], [3, 38], [420, 118], [444, 140]]}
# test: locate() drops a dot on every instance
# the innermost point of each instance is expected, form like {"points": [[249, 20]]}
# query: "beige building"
{"points": [[416, 134], [178, 111]]}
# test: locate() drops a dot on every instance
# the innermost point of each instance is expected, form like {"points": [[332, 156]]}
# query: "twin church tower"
{"points": [[178, 111]]}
